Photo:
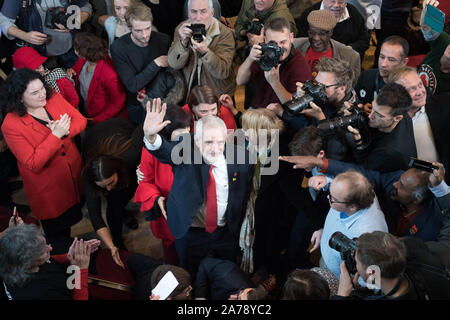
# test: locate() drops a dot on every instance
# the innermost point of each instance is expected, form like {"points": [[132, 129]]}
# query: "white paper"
{"points": [[165, 286]]}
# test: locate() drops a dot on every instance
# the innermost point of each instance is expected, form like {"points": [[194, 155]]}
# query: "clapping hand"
{"points": [[60, 128]]}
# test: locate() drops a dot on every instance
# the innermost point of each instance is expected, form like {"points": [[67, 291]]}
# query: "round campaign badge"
{"points": [[427, 75]]}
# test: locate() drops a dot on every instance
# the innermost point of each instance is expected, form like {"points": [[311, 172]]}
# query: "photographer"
{"points": [[284, 68], [260, 12], [203, 48], [404, 274], [332, 94], [392, 137], [416, 202], [35, 23]]}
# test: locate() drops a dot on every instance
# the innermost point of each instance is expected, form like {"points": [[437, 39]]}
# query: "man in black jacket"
{"points": [[403, 271], [139, 56], [392, 138], [394, 52], [351, 27]]}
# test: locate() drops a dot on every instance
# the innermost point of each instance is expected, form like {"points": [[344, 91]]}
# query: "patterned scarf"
{"points": [[51, 76], [247, 234]]}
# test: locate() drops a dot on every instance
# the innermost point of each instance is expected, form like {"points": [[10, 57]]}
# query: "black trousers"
{"points": [[115, 213], [197, 244]]}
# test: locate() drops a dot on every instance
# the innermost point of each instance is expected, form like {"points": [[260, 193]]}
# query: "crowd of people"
{"points": [[330, 182]]}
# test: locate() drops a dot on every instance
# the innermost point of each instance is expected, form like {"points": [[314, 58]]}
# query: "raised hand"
{"points": [[154, 120]]}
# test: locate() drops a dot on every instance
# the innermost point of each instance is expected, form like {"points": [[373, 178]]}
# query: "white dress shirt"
{"points": [[423, 136], [220, 172]]}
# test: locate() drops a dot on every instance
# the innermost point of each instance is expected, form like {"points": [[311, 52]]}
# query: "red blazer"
{"points": [[225, 115], [158, 182], [106, 94], [50, 167], [68, 91]]}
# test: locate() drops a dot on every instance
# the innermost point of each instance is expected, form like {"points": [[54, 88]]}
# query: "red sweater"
{"points": [[83, 292]]}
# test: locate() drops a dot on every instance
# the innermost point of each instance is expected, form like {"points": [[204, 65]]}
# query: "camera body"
{"points": [[56, 15], [314, 92], [198, 31], [253, 27], [358, 119], [271, 55], [347, 248]]}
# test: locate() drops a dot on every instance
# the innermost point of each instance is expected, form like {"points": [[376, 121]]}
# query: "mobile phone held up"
{"points": [[422, 165]]}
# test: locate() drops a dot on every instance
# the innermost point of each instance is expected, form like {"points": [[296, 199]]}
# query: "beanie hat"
{"points": [[27, 57], [322, 19]]}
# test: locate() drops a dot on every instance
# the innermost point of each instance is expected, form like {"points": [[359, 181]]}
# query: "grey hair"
{"points": [[20, 248], [210, 2], [208, 122]]}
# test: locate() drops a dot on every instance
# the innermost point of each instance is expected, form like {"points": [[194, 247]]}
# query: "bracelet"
{"points": [[358, 141]]}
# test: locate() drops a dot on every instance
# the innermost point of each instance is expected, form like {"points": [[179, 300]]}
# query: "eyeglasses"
{"points": [[327, 86], [331, 200]]}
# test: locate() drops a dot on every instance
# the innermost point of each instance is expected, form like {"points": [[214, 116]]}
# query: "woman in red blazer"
{"points": [[38, 128], [203, 101], [104, 95], [154, 189]]}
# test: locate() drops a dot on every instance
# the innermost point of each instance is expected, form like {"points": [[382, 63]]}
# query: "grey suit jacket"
{"points": [[340, 51]]}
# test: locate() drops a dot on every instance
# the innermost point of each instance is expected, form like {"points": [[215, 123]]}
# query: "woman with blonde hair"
{"points": [[274, 200], [115, 25]]}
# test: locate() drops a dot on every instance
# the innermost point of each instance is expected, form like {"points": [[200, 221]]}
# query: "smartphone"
{"points": [[15, 215], [434, 18], [422, 165]]}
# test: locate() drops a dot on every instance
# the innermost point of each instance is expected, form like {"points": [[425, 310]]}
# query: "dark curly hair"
{"points": [[90, 47], [12, 90]]}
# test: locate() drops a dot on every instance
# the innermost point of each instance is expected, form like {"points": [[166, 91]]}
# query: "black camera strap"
{"points": [[291, 54], [382, 296]]}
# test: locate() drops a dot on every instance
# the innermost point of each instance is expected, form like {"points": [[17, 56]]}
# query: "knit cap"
{"points": [[322, 19], [27, 57]]}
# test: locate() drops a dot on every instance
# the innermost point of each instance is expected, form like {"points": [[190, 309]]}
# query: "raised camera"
{"points": [[56, 15], [358, 119], [346, 247], [314, 92], [198, 31], [271, 55], [253, 27]]}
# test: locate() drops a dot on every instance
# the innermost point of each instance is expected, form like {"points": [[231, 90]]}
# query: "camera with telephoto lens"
{"points": [[56, 15], [358, 119], [198, 31], [253, 27], [271, 55], [314, 92], [346, 247]]}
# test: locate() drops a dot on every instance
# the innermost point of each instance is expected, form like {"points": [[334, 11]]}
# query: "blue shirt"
{"points": [[367, 220]]}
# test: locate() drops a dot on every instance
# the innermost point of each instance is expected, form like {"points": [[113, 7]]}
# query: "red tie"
{"points": [[211, 203]]}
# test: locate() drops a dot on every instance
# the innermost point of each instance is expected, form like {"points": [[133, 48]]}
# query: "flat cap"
{"points": [[322, 19]]}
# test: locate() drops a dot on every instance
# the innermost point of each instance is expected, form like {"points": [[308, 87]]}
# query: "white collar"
{"points": [[344, 17]]}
